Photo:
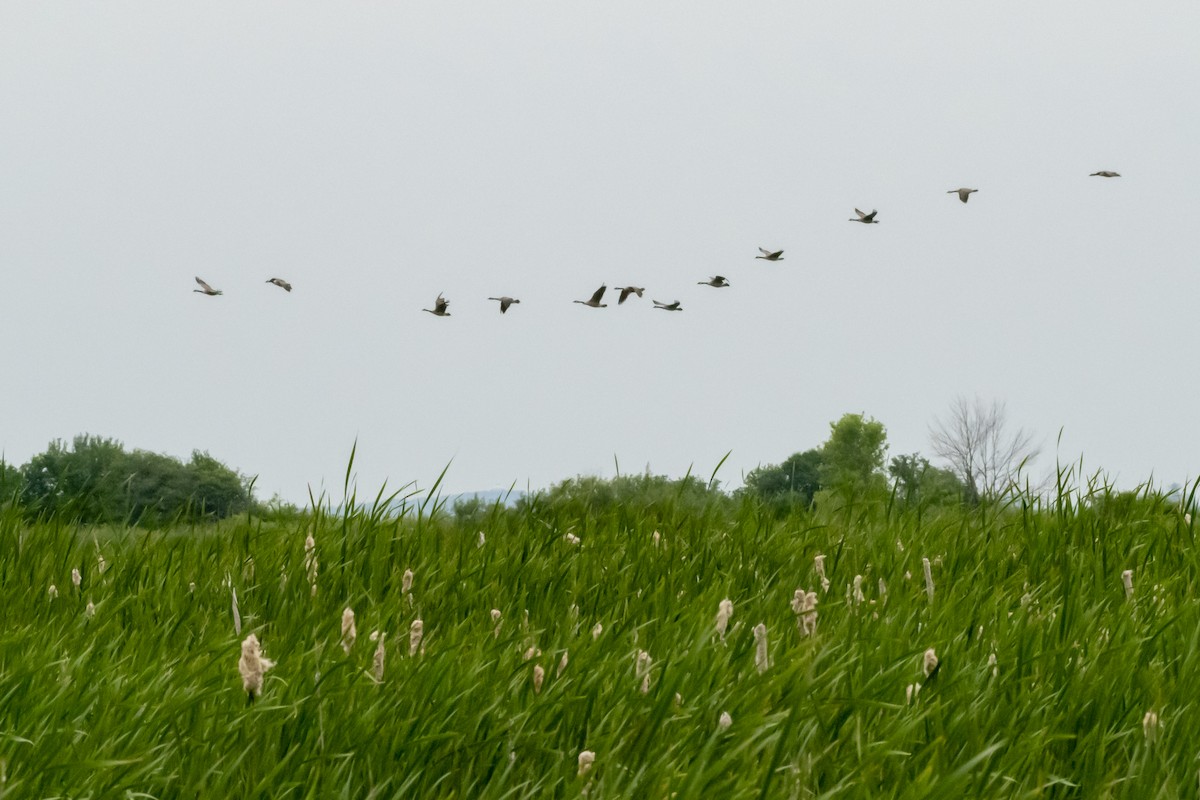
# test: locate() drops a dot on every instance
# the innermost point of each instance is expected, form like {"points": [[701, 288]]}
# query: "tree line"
{"points": [[96, 480]]}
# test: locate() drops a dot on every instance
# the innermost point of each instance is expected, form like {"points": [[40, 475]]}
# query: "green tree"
{"points": [[916, 481], [796, 480], [853, 456], [96, 480]]}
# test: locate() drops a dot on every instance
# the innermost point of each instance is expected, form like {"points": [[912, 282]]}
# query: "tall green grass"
{"points": [[143, 699]]}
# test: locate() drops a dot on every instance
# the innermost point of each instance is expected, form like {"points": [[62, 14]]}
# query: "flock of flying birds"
{"points": [[441, 305]]}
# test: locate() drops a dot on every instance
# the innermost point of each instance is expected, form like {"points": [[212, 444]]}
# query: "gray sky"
{"points": [[375, 155]]}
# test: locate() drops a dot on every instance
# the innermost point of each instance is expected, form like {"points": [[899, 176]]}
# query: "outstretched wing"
{"points": [[504, 304], [625, 292], [599, 294], [204, 285], [861, 215]]}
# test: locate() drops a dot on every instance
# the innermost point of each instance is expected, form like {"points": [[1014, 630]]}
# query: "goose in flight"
{"points": [[206, 289], [963, 194], [281, 283], [595, 301], [1105, 174], [716, 281], [505, 302], [767, 255], [865, 218], [628, 290], [668, 306], [439, 308]]}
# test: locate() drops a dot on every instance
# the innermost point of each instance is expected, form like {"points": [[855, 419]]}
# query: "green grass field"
{"points": [[142, 697]]}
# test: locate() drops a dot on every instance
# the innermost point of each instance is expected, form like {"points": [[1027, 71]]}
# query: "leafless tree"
{"points": [[975, 438]]}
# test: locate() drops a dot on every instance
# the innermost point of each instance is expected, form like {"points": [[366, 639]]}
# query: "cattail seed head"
{"points": [[76, 578], [1150, 727], [928, 578], [101, 564], [586, 759], [572, 539], [1127, 580], [597, 629], [416, 632], [562, 665], [482, 540], [725, 721], [90, 610], [252, 666], [406, 581], [761, 661], [929, 662], [804, 605], [910, 693], [819, 566], [643, 670], [724, 612], [380, 655], [311, 567], [53, 591], [349, 632], [496, 615], [539, 675], [858, 592]]}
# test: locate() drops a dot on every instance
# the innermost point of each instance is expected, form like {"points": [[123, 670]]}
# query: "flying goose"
{"points": [[628, 290], [206, 289], [505, 302], [767, 255], [1105, 174], [439, 308], [865, 218], [716, 281], [668, 306], [281, 283], [595, 301], [963, 194]]}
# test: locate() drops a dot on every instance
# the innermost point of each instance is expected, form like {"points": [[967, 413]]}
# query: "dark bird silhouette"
{"points": [[439, 307], [628, 290], [206, 289], [595, 301], [505, 302]]}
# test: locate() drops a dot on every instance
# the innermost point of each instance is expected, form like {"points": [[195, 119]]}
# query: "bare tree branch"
{"points": [[974, 438]]}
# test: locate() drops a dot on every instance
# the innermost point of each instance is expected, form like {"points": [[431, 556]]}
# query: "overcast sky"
{"points": [[377, 154]]}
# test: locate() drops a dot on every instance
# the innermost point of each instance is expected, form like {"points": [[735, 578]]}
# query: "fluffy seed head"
{"points": [[539, 675], [416, 632], [53, 592], [406, 581], [76, 578], [1127, 580], [724, 612], [586, 759], [380, 655], [929, 662], [761, 661], [349, 632], [253, 666], [725, 721]]}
